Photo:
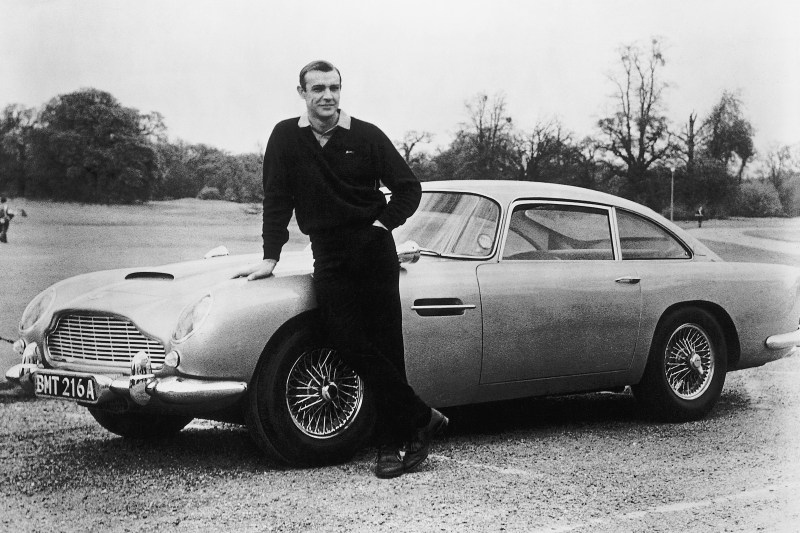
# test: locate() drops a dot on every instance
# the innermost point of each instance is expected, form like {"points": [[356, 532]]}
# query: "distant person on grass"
{"points": [[327, 168], [6, 214]]}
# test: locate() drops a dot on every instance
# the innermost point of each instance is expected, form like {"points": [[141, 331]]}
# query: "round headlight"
{"points": [[191, 318], [38, 307]]}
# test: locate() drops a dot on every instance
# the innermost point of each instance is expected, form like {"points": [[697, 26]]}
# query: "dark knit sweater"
{"points": [[334, 187]]}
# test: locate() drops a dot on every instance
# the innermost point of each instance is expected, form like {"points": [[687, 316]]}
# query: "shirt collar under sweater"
{"points": [[322, 138]]}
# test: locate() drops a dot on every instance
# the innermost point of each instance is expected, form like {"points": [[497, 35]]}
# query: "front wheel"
{"points": [[686, 369], [140, 425], [306, 406]]}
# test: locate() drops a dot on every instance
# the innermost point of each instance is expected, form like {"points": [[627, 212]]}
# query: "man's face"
{"points": [[321, 94]]}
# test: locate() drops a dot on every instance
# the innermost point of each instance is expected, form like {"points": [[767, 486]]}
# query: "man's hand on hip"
{"points": [[258, 270]]}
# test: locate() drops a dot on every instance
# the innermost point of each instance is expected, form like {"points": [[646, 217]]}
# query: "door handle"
{"points": [[440, 307], [630, 280]]}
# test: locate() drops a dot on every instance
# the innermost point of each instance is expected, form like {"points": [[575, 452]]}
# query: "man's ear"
{"points": [[301, 92]]}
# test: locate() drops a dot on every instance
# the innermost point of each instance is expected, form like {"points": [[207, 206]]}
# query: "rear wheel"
{"points": [[140, 425], [686, 368], [305, 406]]}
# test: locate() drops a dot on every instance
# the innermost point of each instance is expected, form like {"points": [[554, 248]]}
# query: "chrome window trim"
{"points": [[498, 225], [614, 236]]}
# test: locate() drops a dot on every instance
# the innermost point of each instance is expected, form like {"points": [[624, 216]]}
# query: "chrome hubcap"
{"points": [[322, 394], [689, 362]]}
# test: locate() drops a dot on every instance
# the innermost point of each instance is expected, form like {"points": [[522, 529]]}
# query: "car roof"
{"points": [[505, 191]]}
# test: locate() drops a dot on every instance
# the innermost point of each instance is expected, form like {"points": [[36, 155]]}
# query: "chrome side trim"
{"points": [[783, 340]]}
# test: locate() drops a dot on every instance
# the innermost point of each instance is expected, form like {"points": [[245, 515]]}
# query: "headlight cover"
{"points": [[36, 309], [191, 318]]}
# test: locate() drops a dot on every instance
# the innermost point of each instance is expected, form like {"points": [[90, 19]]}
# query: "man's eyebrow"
{"points": [[320, 86]]}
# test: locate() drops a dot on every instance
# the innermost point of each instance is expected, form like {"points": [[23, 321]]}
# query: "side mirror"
{"points": [[408, 252]]}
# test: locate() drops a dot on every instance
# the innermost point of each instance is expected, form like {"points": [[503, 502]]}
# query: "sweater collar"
{"points": [[344, 121]]}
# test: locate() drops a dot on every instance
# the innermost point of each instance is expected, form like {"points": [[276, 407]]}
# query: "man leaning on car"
{"points": [[327, 167]]}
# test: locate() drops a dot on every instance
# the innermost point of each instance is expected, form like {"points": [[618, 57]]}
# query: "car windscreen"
{"points": [[453, 223]]}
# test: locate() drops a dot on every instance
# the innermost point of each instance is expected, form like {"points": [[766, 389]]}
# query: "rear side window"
{"points": [[558, 231], [642, 239]]}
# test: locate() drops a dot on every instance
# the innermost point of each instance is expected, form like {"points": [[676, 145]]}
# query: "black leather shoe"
{"points": [[417, 450], [389, 463]]}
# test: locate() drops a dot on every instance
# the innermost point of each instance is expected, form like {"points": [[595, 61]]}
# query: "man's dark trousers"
{"points": [[356, 275]]}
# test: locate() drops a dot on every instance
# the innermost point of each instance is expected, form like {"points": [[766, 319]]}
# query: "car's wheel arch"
{"points": [[729, 331], [304, 319]]}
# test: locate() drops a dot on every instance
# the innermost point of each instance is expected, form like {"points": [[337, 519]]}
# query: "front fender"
{"points": [[244, 316]]}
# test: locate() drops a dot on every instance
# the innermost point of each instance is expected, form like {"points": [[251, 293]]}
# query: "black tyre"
{"points": [[140, 425], [305, 406], [686, 369]]}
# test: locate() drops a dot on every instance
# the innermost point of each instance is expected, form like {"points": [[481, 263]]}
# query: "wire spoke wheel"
{"points": [[323, 394], [689, 362]]}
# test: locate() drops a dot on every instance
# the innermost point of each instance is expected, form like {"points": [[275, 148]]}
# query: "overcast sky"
{"points": [[223, 72]]}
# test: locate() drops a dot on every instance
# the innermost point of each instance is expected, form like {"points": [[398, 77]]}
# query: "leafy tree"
{"points": [[91, 148], [187, 169], [781, 170], [636, 136], [729, 133], [176, 178], [16, 129], [758, 198], [251, 183]]}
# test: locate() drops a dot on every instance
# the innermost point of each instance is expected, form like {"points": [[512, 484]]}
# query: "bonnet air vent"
{"points": [[149, 275]]}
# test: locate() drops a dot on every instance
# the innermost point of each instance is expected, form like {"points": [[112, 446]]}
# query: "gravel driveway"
{"points": [[578, 463]]}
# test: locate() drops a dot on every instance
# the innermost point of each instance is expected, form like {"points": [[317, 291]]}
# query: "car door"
{"points": [[558, 302], [456, 232]]}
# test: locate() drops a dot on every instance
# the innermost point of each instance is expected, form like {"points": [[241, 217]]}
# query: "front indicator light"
{"points": [[19, 346], [172, 359]]}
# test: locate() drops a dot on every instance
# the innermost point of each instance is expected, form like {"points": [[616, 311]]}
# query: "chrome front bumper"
{"points": [[143, 387], [783, 340]]}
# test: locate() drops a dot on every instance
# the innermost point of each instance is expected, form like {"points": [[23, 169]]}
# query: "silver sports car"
{"points": [[509, 289]]}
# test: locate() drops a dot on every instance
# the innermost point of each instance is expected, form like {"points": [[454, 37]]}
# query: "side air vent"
{"points": [[149, 275]]}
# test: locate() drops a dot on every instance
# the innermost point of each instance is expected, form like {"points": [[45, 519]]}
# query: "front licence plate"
{"points": [[82, 388]]}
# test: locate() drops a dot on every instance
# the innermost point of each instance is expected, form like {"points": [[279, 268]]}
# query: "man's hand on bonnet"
{"points": [[258, 270]]}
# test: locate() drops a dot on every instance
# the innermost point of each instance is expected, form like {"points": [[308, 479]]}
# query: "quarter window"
{"points": [[642, 239], [558, 231]]}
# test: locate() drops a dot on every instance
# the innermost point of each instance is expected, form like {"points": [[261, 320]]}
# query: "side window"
{"points": [[641, 239], [556, 231]]}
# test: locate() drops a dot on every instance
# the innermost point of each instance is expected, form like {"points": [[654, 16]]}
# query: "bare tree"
{"points": [[691, 139], [410, 141], [490, 134], [637, 133]]}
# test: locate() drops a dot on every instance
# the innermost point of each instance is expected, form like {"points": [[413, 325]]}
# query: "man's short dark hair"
{"points": [[320, 65]]}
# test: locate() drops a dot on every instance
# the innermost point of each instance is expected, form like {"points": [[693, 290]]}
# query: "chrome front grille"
{"points": [[100, 339]]}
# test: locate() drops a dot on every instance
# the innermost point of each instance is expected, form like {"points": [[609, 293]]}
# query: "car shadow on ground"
{"points": [[602, 410]]}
